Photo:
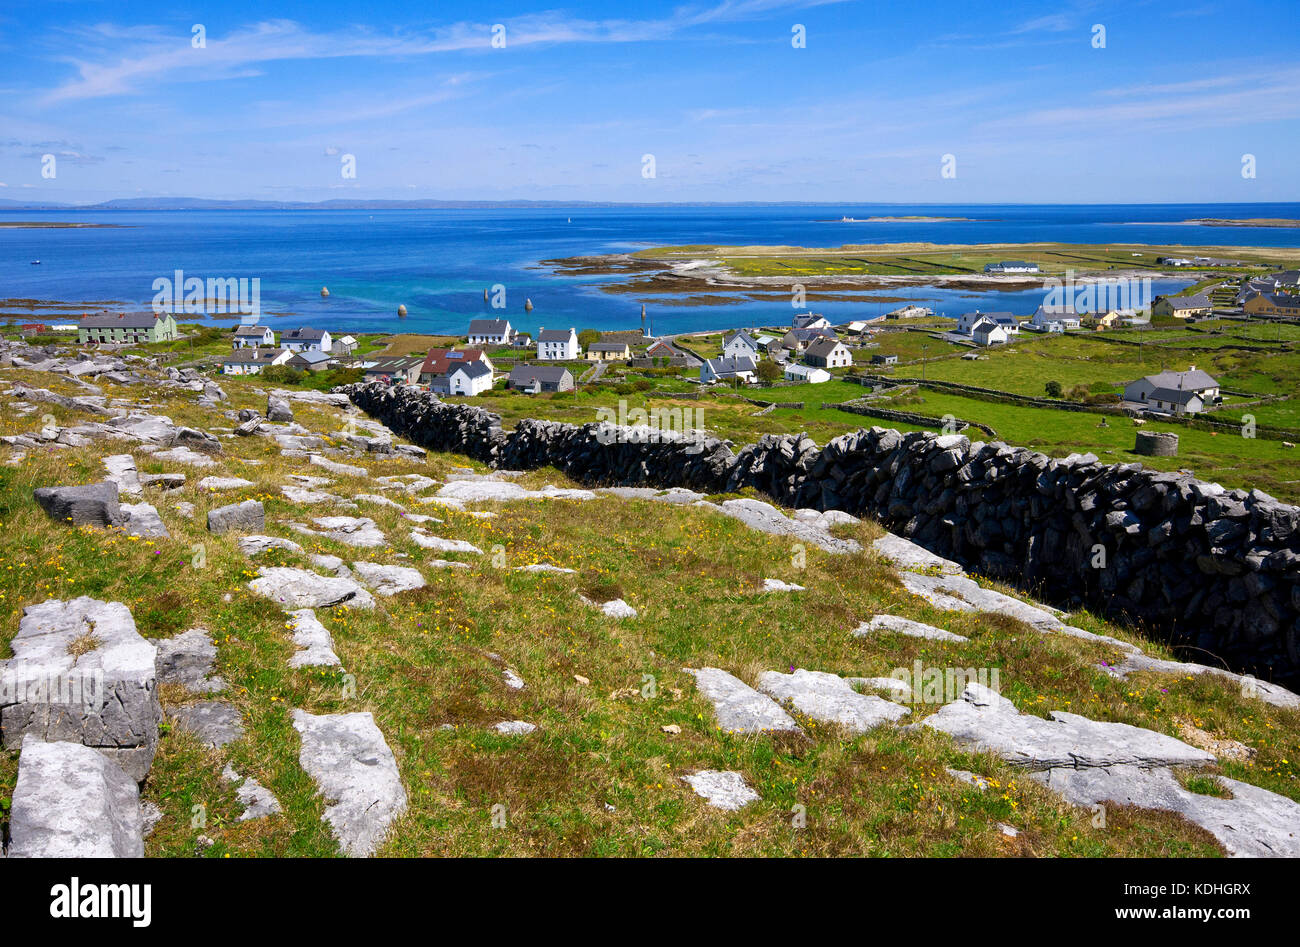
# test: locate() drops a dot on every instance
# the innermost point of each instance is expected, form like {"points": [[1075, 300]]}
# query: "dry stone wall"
{"points": [[1214, 569]]}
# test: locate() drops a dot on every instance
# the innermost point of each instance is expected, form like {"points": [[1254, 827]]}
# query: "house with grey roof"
{"points": [[828, 353], [740, 344], [1182, 307], [537, 378], [491, 332], [1186, 392], [728, 369], [303, 339], [558, 345], [395, 370], [252, 336], [466, 378], [245, 360], [1011, 266], [310, 360], [124, 328]]}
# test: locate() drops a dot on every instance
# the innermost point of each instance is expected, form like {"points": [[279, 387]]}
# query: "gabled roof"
{"points": [[1283, 301], [807, 335], [250, 356], [1174, 396], [121, 320], [984, 325], [488, 326], [1056, 314], [823, 347], [607, 347], [743, 336], [796, 369], [311, 355], [439, 361], [1192, 380], [347, 340], [302, 334], [1199, 301], [474, 369], [393, 363], [731, 366], [555, 335], [251, 332], [547, 374]]}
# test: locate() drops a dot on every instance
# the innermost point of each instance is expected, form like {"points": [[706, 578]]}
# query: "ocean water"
{"points": [[438, 262]]}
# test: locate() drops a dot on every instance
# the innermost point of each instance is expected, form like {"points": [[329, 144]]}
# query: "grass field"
{"points": [[601, 775]]}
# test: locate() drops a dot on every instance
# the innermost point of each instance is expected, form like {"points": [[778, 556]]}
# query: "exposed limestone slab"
{"points": [[410, 483], [512, 680], [254, 545], [298, 588], [184, 455], [380, 500], [308, 495], [723, 789], [891, 685], [72, 802], [258, 801], [906, 554], [248, 516], [105, 697], [737, 707], [358, 531], [388, 580], [829, 698], [121, 471], [1254, 823], [223, 483], [313, 639], [165, 481], [675, 495], [299, 442], [983, 720], [331, 564], [544, 567], [142, 519], [776, 585], [92, 504], [426, 541], [214, 722], [1273, 694], [447, 564], [187, 659], [766, 518], [350, 761], [459, 492], [347, 470], [905, 626], [514, 728], [307, 480]]}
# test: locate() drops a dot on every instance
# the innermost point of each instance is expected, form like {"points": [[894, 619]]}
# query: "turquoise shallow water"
{"points": [[438, 262]]}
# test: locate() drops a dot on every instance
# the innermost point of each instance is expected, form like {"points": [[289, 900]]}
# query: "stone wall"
{"points": [[1213, 569]]}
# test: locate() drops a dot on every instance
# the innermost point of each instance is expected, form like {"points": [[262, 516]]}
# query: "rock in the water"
{"points": [[89, 656], [298, 588], [347, 756], [246, 517], [723, 789], [93, 504], [388, 580], [829, 698], [905, 626], [214, 722], [737, 706], [187, 659], [71, 802]]}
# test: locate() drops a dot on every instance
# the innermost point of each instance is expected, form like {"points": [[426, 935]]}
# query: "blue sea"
{"points": [[438, 262]]}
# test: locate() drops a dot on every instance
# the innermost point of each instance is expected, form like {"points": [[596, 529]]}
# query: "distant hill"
{"points": [[200, 203]]}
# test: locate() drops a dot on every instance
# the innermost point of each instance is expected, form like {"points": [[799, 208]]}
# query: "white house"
{"points": [[344, 346], [741, 344], [988, 332], [253, 336], [490, 332], [806, 373], [557, 345], [1174, 392], [967, 321], [725, 369], [303, 339], [251, 361], [810, 320], [469, 378], [1011, 266], [1054, 320], [828, 353]]}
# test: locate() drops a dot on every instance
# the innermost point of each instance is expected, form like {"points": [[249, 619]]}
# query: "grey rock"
{"points": [[315, 643], [254, 545], [829, 698], [71, 802], [257, 800], [187, 659], [358, 531], [105, 698], [246, 517], [278, 409], [350, 761], [906, 554], [298, 588], [388, 580], [142, 519], [905, 626], [346, 470], [514, 728], [121, 471], [723, 789], [737, 706], [223, 483], [214, 722], [93, 504]]}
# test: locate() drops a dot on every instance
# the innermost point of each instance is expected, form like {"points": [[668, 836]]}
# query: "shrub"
{"points": [[1053, 389], [282, 375]]}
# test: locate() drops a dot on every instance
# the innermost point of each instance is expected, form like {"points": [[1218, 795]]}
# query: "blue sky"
{"points": [[715, 91]]}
